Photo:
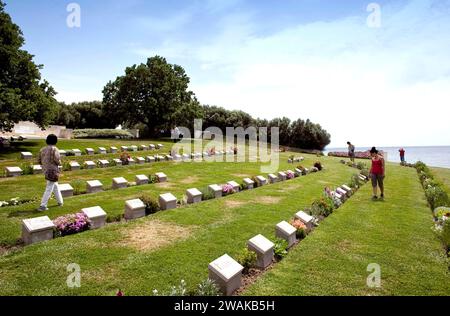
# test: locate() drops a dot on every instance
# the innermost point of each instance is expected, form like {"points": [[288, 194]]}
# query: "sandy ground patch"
{"points": [[190, 180], [241, 175], [165, 185], [268, 200], [153, 235], [234, 204]]}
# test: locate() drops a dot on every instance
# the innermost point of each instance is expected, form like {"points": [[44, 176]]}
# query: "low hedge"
{"points": [[101, 133]]}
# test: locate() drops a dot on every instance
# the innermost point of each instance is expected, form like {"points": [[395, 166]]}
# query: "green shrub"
{"points": [[361, 165], [247, 259], [151, 205], [365, 173], [113, 218], [445, 234], [280, 248], [302, 169], [420, 166], [102, 133], [66, 166], [355, 182], [79, 187], [322, 207], [436, 197], [207, 288], [318, 165], [27, 168], [207, 194], [255, 181]]}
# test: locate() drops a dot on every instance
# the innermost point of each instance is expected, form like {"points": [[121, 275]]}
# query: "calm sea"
{"points": [[432, 156]]}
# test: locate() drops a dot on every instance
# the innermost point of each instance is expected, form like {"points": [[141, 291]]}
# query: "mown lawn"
{"points": [[158, 251], [172, 245], [396, 234]]}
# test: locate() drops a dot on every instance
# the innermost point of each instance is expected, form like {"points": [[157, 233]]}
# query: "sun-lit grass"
{"points": [[396, 234]]}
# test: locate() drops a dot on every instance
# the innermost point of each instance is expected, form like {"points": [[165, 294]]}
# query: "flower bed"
{"points": [[71, 224], [358, 154], [438, 201]]}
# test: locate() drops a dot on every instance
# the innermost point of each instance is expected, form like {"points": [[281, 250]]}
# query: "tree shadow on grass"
{"points": [[15, 214], [15, 147]]}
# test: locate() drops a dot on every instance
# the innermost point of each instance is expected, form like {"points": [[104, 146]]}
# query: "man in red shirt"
{"points": [[402, 155]]}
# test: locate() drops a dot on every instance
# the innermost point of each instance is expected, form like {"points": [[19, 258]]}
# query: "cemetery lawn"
{"points": [[158, 251], [396, 234]]}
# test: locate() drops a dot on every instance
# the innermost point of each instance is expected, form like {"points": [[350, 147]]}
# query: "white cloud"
{"points": [[374, 86]]}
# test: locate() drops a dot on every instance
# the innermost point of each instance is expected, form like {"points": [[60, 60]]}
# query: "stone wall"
{"points": [[31, 130]]}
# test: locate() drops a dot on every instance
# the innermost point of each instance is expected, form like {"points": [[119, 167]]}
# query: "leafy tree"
{"points": [[22, 94], [83, 115], [155, 94]]}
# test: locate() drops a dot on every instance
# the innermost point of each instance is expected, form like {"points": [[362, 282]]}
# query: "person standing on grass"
{"points": [[377, 173], [50, 160], [351, 151], [402, 155]]}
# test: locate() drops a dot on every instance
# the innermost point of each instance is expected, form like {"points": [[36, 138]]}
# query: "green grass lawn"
{"points": [[396, 234], [158, 251]]}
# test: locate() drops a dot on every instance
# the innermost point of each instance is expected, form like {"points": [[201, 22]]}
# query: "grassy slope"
{"points": [[216, 226], [396, 234]]}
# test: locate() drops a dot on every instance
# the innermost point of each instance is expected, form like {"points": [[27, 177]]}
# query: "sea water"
{"points": [[438, 156]]}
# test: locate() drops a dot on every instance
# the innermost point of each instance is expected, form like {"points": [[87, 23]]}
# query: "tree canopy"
{"points": [[154, 94], [22, 94]]}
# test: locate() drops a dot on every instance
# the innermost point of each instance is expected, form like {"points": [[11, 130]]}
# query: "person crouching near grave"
{"points": [[377, 173], [50, 160]]}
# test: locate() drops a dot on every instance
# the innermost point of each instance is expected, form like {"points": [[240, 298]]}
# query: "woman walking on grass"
{"points": [[377, 173], [50, 160]]}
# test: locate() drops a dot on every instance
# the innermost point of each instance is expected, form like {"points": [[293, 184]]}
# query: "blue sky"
{"points": [[312, 59]]}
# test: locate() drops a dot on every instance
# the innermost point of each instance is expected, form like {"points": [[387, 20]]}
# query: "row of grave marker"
{"points": [[227, 272], [94, 186], [38, 229], [37, 169], [101, 150]]}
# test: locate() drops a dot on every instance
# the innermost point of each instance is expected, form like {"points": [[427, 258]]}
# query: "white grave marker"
{"points": [[134, 209], [37, 229], [119, 183], [193, 196], [142, 179], [94, 186], [264, 250], [226, 273], [66, 190], [286, 231], [167, 201], [96, 215], [216, 190]]}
